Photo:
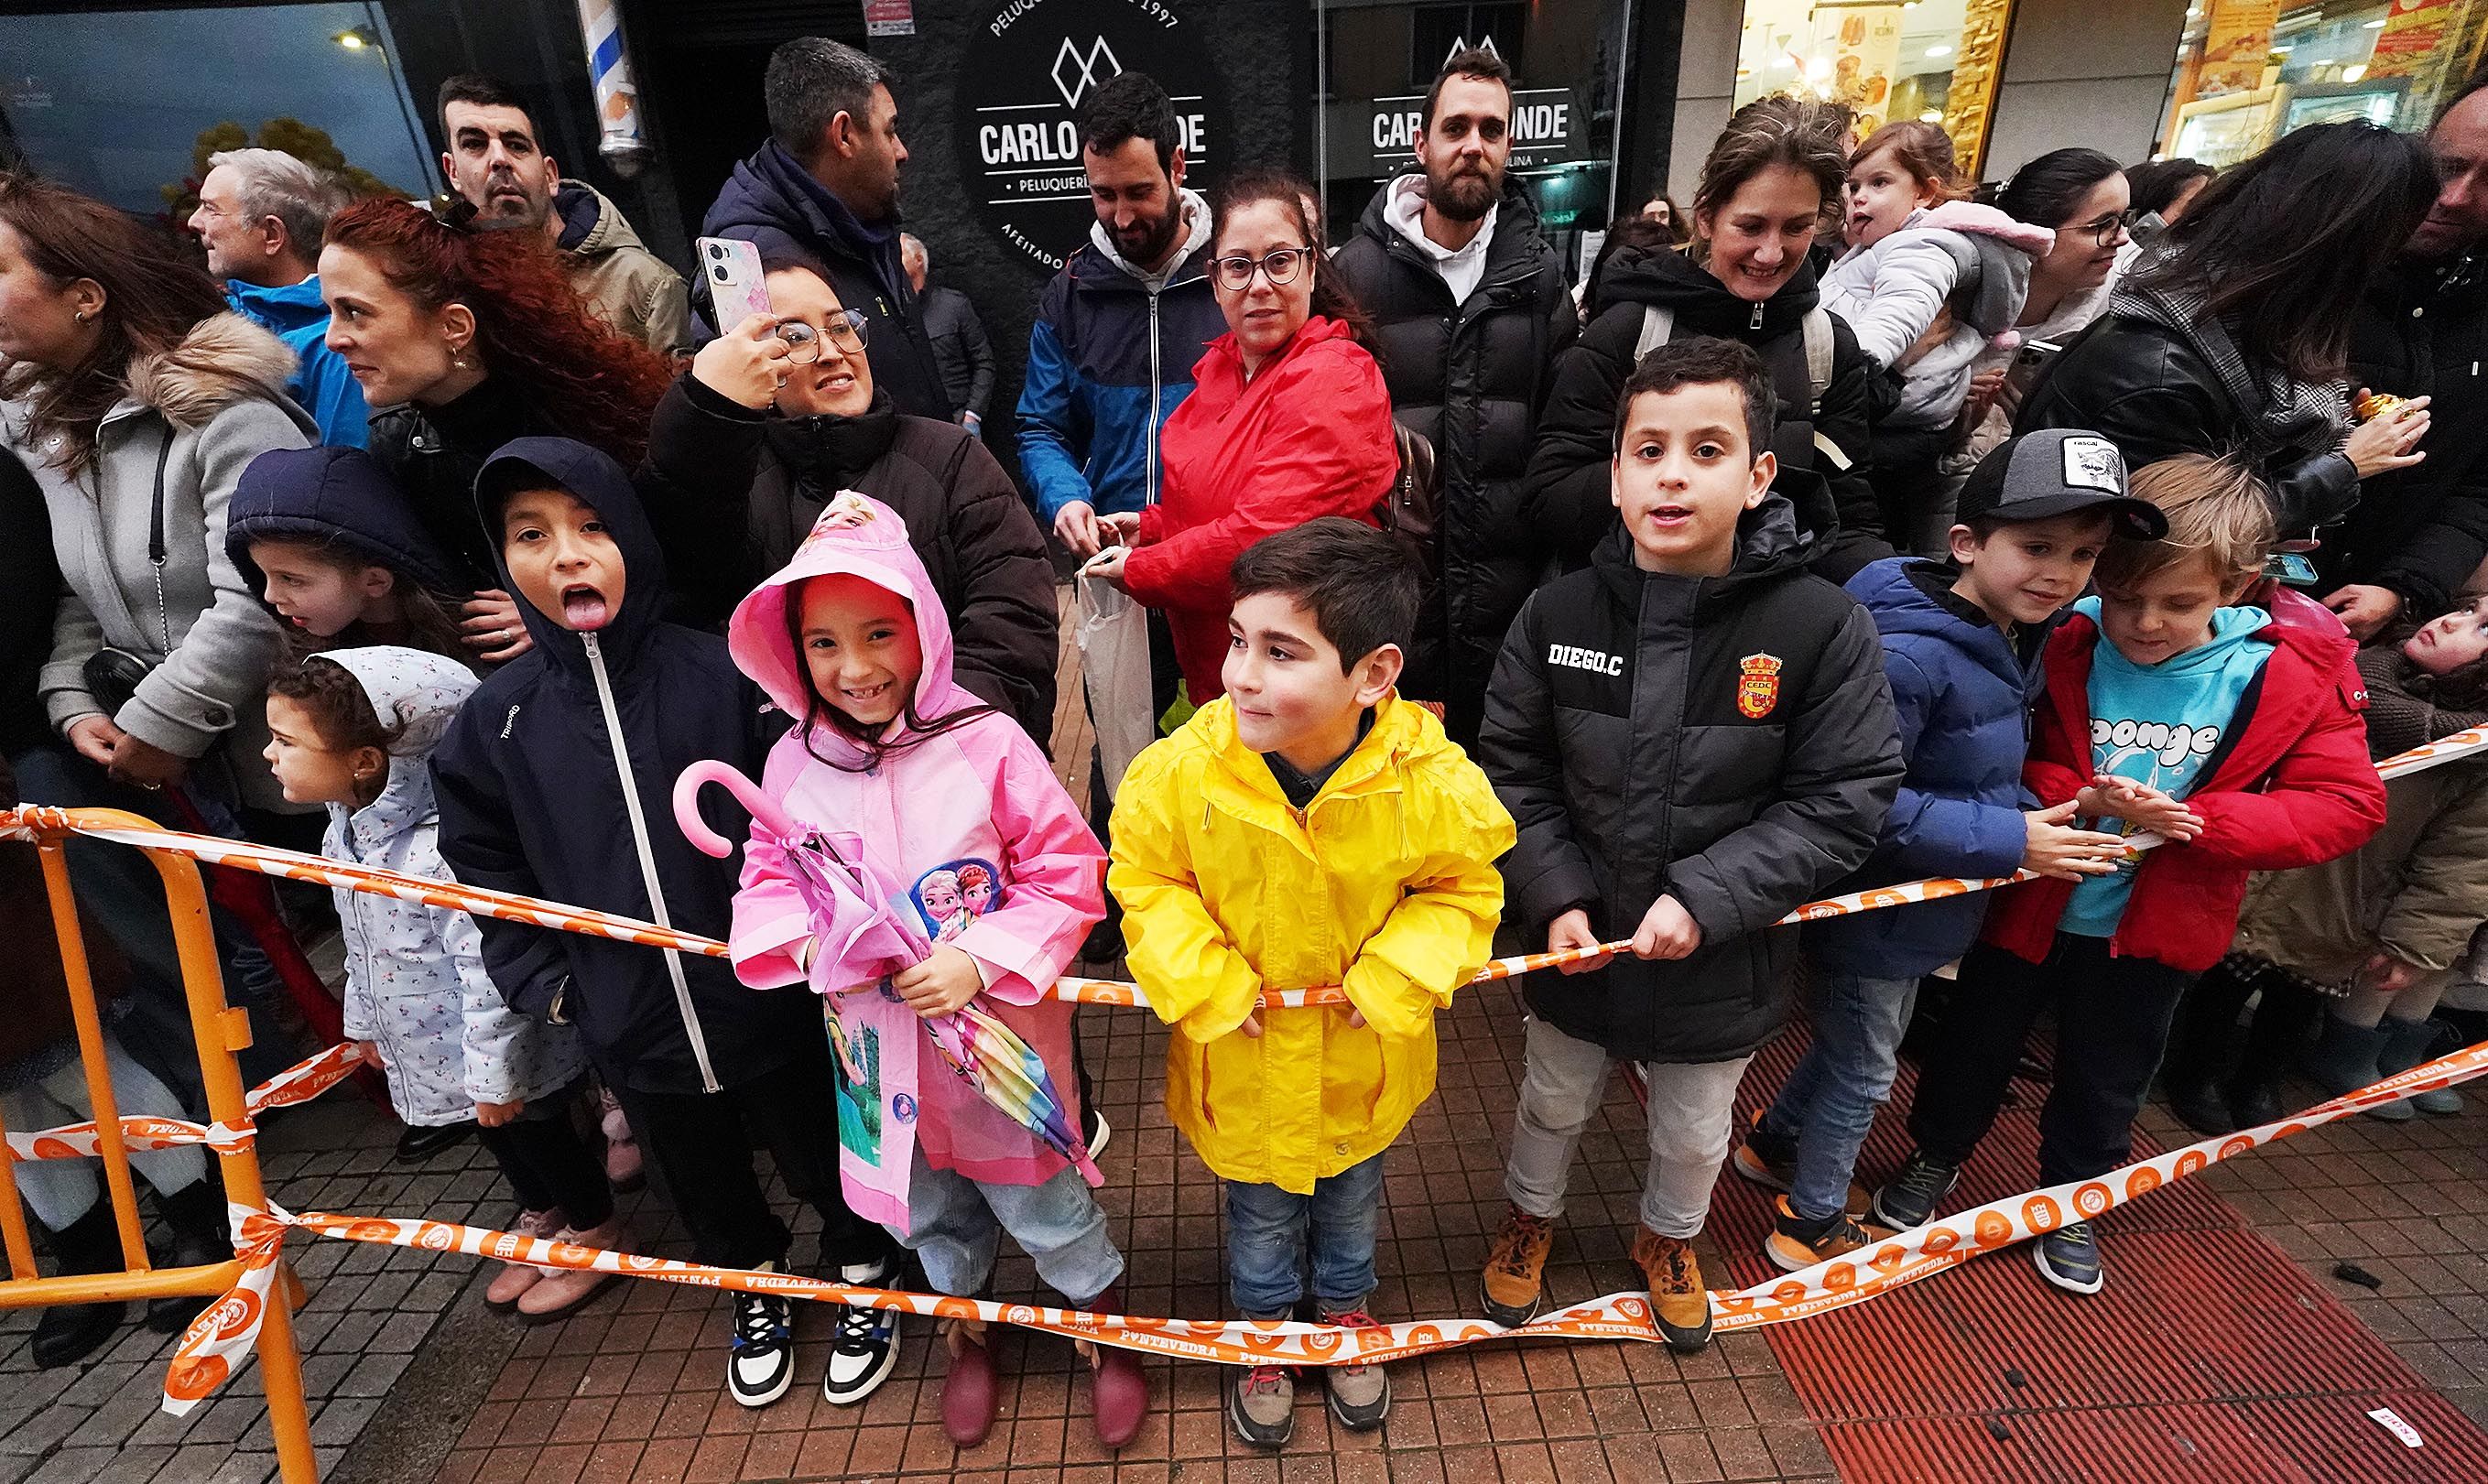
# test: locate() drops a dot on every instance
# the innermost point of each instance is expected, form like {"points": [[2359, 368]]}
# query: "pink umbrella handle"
{"points": [[747, 792]]}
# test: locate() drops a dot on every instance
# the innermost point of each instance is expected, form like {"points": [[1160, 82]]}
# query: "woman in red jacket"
{"points": [[1287, 420]]}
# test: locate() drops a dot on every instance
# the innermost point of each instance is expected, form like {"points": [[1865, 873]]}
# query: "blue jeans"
{"points": [[1827, 1104], [955, 1226], [1269, 1231]]}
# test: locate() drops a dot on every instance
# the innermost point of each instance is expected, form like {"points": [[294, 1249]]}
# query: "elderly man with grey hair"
{"points": [[822, 193], [260, 215], [961, 354]]}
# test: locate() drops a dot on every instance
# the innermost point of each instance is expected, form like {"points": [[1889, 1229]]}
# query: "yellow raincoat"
{"points": [[1384, 884]]}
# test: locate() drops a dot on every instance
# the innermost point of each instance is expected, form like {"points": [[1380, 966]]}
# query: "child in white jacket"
{"points": [[1928, 282], [354, 729]]}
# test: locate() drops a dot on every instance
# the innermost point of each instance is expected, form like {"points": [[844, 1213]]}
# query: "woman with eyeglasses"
{"points": [[2234, 334], [463, 339], [767, 477], [1745, 277], [1288, 419]]}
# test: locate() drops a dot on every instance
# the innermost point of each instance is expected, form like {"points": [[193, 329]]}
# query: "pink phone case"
{"points": [[735, 282]]}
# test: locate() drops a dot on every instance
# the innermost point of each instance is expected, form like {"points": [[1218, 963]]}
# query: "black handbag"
{"points": [[112, 675]]}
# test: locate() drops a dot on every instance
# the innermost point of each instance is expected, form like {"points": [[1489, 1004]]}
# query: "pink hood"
{"points": [[1987, 221], [857, 536]]}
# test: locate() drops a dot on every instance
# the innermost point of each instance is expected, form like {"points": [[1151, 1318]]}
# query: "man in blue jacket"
{"points": [[1962, 642], [262, 213], [822, 193], [1111, 353]]}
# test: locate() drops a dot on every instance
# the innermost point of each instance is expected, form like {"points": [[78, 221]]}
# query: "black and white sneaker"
{"points": [[1908, 1200], [863, 1347], [761, 1366]]}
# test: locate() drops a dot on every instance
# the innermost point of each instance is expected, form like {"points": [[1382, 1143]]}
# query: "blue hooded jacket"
{"points": [[1964, 694], [321, 384], [1108, 362], [536, 779], [334, 498]]}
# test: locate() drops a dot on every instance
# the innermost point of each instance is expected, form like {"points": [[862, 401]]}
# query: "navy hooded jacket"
{"points": [[772, 202], [533, 799], [338, 498], [1963, 693]]}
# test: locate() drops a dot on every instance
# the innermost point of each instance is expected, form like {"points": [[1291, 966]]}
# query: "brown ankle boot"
{"points": [[1677, 1300], [1515, 1268]]}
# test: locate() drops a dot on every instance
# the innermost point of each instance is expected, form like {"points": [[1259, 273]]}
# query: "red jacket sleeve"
{"points": [[2321, 801], [1328, 452]]}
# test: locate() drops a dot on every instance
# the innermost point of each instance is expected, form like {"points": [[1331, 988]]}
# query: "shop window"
{"points": [[1935, 59], [2247, 73], [119, 103]]}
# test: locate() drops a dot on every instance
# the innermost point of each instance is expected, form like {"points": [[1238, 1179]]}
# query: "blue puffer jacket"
{"points": [[1108, 360], [1964, 694], [536, 781], [321, 383]]}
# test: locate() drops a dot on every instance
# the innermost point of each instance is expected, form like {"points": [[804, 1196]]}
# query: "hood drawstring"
{"points": [[647, 859]]}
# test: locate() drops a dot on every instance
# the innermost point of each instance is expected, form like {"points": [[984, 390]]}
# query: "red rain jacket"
{"points": [[1309, 435], [2291, 785]]}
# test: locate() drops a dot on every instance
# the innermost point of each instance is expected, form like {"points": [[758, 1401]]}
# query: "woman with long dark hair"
{"points": [[461, 340], [1288, 419], [1746, 277], [2234, 336]]}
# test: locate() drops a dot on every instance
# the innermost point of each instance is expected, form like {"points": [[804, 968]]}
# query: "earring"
{"points": [[78, 315]]}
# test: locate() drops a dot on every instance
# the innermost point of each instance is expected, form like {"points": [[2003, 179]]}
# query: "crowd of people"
{"points": [[1836, 531]]}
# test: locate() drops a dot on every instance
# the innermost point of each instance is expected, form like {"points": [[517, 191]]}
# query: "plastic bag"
{"points": [[1113, 636]]}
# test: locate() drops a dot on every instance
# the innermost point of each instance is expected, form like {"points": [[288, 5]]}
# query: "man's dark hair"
{"points": [[1705, 360], [811, 80], [1358, 583], [1471, 62], [482, 92], [1129, 106]]}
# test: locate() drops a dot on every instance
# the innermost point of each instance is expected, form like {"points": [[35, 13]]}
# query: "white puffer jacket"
{"points": [[1972, 258], [415, 983]]}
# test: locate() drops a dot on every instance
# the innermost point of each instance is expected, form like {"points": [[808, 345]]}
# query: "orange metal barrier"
{"points": [[220, 1031]]}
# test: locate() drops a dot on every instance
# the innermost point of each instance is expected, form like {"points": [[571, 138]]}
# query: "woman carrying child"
{"points": [[925, 788], [354, 729]]}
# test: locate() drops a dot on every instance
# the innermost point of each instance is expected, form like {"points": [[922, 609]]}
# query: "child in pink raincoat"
{"points": [[957, 823]]}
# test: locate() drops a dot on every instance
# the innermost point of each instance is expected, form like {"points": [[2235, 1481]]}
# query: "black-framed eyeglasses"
{"points": [[1281, 263], [847, 328], [2107, 231]]}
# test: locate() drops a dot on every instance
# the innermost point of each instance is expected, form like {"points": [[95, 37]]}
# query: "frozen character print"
{"points": [[954, 894]]}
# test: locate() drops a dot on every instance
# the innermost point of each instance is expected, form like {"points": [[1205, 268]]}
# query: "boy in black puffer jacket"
{"points": [[556, 781], [1694, 736]]}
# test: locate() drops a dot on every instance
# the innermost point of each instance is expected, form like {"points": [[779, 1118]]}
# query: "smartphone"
{"points": [[736, 285], [2290, 568], [2034, 354]]}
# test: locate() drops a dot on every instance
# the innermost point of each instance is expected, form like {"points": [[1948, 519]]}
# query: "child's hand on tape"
{"points": [[2140, 805], [1667, 931], [941, 985], [1571, 932], [2053, 847]]}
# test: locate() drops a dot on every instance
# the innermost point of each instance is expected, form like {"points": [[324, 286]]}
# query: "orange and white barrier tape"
{"points": [[296, 1084], [485, 902], [214, 1343]]}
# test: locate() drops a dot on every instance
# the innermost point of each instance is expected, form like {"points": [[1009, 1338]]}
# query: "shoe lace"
{"points": [[2077, 1235], [859, 1328], [1351, 1318], [760, 1320], [1263, 1380], [1521, 1231], [1923, 1178]]}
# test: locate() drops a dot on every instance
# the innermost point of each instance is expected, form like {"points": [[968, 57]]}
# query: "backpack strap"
{"points": [[1658, 328]]}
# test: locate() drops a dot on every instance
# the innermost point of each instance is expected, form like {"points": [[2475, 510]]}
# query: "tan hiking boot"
{"points": [[1515, 1268], [1677, 1298]]}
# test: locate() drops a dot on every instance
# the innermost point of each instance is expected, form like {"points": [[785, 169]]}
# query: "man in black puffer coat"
{"points": [[1470, 307]]}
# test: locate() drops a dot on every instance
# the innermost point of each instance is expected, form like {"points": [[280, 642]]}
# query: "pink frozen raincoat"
{"points": [[967, 836]]}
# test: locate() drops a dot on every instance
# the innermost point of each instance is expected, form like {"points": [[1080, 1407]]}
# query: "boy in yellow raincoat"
{"points": [[1309, 828]]}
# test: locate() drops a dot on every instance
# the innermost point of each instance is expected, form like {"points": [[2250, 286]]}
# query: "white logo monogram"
{"points": [[1485, 44], [1090, 73]]}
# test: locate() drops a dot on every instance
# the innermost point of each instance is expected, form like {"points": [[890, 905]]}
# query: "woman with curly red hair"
{"points": [[461, 340]]}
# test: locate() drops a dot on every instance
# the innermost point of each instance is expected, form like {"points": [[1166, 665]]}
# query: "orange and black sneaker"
{"points": [[1677, 1298], [1766, 1159], [1798, 1243], [1515, 1268]]}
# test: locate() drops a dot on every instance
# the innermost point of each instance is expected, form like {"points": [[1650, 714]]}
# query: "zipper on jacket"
{"points": [[648, 860], [1149, 471], [1756, 323]]}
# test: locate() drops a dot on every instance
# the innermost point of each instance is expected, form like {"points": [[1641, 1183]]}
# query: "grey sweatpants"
{"points": [[1690, 1112]]}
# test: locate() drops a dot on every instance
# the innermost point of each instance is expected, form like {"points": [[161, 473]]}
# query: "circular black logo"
{"points": [[1027, 68]]}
